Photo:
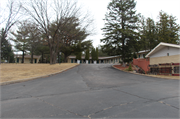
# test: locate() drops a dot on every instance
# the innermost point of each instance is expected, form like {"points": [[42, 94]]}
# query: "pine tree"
{"points": [[78, 51], [148, 34], [175, 29], [151, 34], [97, 53], [93, 54], [134, 55], [21, 39], [168, 29], [120, 27], [87, 54], [6, 49]]}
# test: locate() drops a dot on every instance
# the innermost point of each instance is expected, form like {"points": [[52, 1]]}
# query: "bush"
{"points": [[130, 68]]}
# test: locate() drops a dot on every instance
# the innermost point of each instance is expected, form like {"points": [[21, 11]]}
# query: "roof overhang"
{"points": [[160, 46], [100, 58]]}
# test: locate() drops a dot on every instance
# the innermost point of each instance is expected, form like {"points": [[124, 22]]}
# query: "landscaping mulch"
{"points": [[120, 67], [123, 68]]}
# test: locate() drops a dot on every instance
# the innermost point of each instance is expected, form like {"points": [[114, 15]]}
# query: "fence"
{"points": [[142, 63]]}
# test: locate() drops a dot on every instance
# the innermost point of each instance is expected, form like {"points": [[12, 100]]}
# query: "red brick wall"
{"points": [[143, 63]]}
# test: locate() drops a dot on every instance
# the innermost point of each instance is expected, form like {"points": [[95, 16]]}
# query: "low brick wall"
{"points": [[143, 63]]}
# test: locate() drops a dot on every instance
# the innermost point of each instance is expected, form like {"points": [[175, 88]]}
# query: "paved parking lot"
{"points": [[92, 91]]}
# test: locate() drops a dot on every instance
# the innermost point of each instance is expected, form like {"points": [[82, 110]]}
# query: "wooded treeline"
{"points": [[46, 28], [127, 32]]}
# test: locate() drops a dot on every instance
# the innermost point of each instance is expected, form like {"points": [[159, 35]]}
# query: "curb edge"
{"points": [[144, 74]]}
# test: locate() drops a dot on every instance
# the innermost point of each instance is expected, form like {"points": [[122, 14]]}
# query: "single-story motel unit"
{"points": [[107, 59], [101, 60], [27, 58]]}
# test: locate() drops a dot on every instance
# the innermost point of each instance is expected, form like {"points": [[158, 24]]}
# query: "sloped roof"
{"points": [[28, 56], [160, 46], [83, 57], [143, 51]]}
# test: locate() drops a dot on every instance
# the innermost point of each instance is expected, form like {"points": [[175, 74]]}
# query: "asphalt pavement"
{"points": [[92, 91]]}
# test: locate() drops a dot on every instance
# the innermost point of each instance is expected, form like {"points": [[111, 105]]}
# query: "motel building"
{"points": [[105, 60], [101, 60], [27, 58]]}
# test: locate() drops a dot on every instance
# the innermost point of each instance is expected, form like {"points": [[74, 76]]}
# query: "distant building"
{"points": [[27, 58], [107, 59], [142, 54], [101, 60]]}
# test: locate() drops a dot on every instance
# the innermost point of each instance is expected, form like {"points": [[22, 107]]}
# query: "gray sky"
{"points": [[148, 8]]}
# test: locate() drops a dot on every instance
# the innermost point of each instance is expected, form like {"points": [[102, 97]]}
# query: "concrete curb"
{"points": [[27, 79], [144, 74]]}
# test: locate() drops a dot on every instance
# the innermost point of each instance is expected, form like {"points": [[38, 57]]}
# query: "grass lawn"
{"points": [[12, 72]]}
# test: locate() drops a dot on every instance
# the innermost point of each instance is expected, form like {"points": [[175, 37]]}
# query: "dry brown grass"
{"points": [[12, 72]]}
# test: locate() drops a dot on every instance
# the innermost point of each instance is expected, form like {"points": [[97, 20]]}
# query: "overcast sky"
{"points": [[148, 8]]}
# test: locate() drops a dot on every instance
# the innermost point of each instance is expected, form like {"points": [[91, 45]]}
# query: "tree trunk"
{"points": [[55, 58], [32, 58], [123, 40], [42, 60], [8, 59], [124, 64], [22, 58], [65, 58], [51, 56]]}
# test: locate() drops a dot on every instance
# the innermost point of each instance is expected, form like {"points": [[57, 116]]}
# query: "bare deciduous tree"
{"points": [[44, 13], [8, 21]]}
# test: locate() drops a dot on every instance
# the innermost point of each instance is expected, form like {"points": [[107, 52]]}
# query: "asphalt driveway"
{"points": [[92, 91]]}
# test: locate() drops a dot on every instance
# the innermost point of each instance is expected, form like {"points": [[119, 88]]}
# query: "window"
{"points": [[167, 54], [17, 60], [139, 56], [176, 70]]}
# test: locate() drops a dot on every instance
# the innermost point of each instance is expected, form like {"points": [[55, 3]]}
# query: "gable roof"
{"points": [[160, 46]]}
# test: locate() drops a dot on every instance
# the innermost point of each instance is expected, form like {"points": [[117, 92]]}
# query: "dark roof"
{"points": [[83, 57], [28, 56]]}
